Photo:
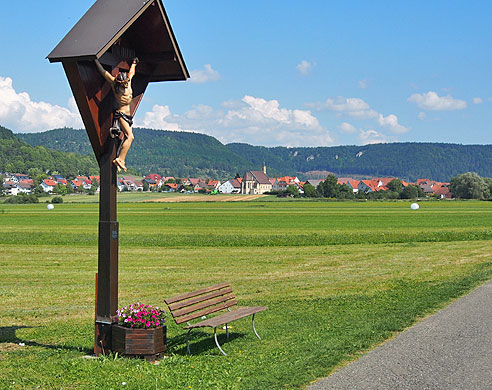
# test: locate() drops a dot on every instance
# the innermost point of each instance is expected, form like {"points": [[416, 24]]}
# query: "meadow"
{"points": [[339, 278]]}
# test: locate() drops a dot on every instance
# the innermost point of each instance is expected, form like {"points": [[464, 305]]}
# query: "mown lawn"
{"points": [[338, 278]]}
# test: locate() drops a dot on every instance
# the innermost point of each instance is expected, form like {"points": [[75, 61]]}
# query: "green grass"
{"points": [[338, 278]]}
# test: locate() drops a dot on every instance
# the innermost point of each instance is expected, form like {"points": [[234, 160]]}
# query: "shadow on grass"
{"points": [[206, 343], [8, 335]]}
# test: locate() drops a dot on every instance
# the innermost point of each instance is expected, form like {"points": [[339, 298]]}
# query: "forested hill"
{"points": [[18, 156], [410, 161], [190, 154], [168, 153]]}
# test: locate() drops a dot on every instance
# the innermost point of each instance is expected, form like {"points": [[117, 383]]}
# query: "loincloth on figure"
{"points": [[127, 118], [115, 129]]}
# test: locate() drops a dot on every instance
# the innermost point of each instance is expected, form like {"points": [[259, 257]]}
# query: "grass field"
{"points": [[338, 278]]}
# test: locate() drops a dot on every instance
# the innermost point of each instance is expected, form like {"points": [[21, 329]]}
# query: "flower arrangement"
{"points": [[140, 316]]}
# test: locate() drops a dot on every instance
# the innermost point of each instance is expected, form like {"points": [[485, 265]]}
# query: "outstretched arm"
{"points": [[131, 73], [108, 76]]}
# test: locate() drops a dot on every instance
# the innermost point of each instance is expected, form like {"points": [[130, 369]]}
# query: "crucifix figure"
{"points": [[123, 93]]}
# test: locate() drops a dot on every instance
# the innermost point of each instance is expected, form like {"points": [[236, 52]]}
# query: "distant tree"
{"points": [[60, 189], [469, 186], [488, 182], [38, 190], [57, 199], [293, 190], [310, 191], [22, 198], [395, 185], [69, 188], [410, 192], [145, 186], [343, 191], [328, 188]]}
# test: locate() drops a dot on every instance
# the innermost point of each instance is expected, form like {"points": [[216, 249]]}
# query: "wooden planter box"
{"points": [[147, 343]]}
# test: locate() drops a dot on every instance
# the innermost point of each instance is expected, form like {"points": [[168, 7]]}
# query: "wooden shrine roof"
{"points": [[140, 25]]}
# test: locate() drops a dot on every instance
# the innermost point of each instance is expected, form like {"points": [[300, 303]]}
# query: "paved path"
{"points": [[449, 350]]}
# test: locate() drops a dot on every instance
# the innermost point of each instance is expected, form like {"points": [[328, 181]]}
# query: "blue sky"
{"points": [[292, 73]]}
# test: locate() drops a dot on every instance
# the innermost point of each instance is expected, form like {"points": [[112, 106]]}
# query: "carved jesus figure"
{"points": [[123, 93]]}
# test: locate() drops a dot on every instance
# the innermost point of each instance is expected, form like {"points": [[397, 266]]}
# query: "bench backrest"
{"points": [[195, 304]]}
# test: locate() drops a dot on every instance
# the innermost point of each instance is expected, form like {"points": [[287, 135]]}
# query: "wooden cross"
{"points": [[114, 32]]}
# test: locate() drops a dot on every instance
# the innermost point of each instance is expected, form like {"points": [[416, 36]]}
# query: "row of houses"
{"points": [[253, 182], [258, 182], [17, 183]]}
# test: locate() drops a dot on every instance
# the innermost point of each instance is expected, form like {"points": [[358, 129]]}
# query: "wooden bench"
{"points": [[201, 303]]}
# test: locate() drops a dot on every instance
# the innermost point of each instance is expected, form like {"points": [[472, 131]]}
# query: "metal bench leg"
{"points": [[256, 333], [187, 342], [217, 342], [227, 332]]}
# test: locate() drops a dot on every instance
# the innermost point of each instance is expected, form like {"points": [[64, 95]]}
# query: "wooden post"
{"points": [[107, 286]]}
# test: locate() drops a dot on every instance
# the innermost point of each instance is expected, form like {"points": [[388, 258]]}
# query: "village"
{"points": [[252, 182]]}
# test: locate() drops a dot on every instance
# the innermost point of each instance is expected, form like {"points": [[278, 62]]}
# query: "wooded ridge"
{"points": [[185, 154]]}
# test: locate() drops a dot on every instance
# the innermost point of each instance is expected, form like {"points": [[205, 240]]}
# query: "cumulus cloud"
{"points": [[354, 107], [477, 100], [19, 112], [305, 67], [204, 75], [347, 128], [432, 101], [252, 120], [391, 122], [422, 115], [373, 137], [261, 111], [159, 118]]}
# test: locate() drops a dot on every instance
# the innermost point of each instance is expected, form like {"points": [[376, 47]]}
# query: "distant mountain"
{"points": [[185, 154], [18, 156]]}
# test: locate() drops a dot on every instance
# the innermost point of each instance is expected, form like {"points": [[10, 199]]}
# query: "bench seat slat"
{"points": [[198, 299], [210, 310], [202, 305], [195, 293], [228, 317]]}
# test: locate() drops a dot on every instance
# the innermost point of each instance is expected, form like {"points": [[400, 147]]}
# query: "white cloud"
{"points": [[391, 122], [363, 84], [204, 75], [347, 128], [252, 120], [305, 67], [373, 137], [159, 118], [422, 115], [354, 107], [432, 101], [477, 100], [19, 112]]}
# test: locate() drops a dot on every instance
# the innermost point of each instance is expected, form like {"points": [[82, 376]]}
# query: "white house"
{"points": [[10, 188], [48, 185], [226, 187], [232, 186]]}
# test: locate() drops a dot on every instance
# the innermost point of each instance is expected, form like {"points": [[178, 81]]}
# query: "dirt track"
{"points": [[206, 198]]}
